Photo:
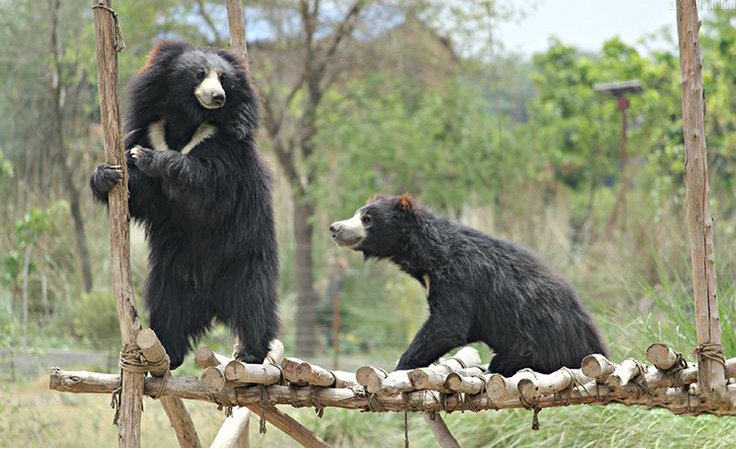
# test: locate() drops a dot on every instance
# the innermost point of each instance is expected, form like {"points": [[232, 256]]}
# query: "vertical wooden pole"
{"points": [[109, 42], [236, 23], [711, 368]]}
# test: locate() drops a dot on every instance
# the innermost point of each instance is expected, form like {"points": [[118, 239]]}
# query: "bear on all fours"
{"points": [[203, 195], [478, 288]]}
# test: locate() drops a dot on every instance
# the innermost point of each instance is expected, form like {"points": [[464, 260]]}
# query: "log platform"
{"points": [[455, 384]]}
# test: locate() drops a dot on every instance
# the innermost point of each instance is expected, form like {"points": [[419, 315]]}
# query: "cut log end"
{"points": [[661, 356], [205, 358], [213, 377], [597, 366]]}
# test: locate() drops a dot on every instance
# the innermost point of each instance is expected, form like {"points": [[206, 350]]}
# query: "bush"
{"points": [[95, 319]]}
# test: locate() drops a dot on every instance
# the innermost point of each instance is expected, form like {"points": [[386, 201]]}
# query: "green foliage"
{"points": [[39, 222], [439, 145], [6, 167], [95, 319]]}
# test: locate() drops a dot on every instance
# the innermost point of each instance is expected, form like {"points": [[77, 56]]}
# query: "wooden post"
{"points": [[236, 24], [711, 369], [109, 42]]}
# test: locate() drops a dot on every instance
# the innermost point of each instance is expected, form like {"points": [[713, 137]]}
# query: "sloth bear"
{"points": [[203, 195], [479, 289]]}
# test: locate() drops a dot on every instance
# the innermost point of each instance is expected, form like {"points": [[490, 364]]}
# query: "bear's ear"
{"points": [[164, 49], [406, 203], [374, 198]]}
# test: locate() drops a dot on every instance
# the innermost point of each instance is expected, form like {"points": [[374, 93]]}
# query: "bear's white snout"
{"points": [[348, 233], [209, 92]]}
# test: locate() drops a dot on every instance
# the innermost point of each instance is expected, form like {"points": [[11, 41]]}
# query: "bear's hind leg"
{"points": [[176, 319], [254, 319]]}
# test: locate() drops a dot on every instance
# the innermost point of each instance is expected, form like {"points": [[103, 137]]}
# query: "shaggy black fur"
{"points": [[479, 289], [207, 214]]}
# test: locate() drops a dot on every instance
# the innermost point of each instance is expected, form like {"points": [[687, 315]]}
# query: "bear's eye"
{"points": [[200, 74], [221, 76], [366, 219]]}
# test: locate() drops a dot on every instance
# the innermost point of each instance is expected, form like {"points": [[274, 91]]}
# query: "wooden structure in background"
{"points": [[458, 383]]}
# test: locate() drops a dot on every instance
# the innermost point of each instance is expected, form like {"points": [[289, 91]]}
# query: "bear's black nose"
{"points": [[218, 97], [335, 228]]}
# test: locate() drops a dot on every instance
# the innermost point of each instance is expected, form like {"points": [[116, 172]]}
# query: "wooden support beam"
{"points": [[289, 425], [711, 374], [155, 354], [108, 43], [234, 431], [440, 431]]}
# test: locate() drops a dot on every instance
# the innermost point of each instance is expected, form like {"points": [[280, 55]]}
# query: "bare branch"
{"points": [[210, 23], [344, 29], [285, 156]]}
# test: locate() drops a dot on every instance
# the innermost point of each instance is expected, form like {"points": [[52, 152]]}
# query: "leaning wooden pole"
{"points": [[109, 42], [711, 368], [158, 365]]}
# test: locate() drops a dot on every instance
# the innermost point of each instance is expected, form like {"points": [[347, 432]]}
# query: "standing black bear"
{"points": [[478, 288], [203, 194]]}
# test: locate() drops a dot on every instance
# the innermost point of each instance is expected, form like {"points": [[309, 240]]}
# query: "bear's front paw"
{"points": [[104, 179], [143, 158]]}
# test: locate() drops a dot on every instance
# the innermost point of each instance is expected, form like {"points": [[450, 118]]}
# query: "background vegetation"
{"points": [[389, 97]]}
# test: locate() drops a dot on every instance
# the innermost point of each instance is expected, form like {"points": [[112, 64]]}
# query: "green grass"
{"points": [[33, 416]]}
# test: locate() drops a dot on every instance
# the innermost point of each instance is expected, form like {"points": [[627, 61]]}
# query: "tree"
{"points": [[311, 59], [60, 151], [297, 144]]}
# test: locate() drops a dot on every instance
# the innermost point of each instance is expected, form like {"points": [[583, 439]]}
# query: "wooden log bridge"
{"points": [[455, 384]]}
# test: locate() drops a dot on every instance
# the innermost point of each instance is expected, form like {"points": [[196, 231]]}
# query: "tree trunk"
{"points": [[57, 118], [80, 234], [26, 275], [306, 324]]}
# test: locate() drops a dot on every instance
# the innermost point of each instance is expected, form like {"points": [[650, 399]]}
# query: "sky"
{"points": [[586, 23]]}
